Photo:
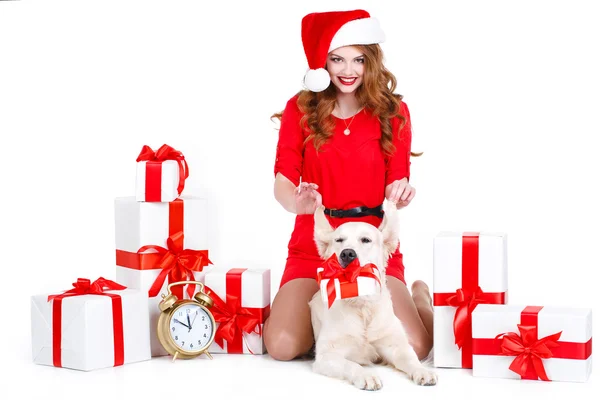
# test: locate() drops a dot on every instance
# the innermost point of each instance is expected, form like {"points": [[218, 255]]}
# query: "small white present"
{"points": [[160, 175], [242, 303], [545, 343]]}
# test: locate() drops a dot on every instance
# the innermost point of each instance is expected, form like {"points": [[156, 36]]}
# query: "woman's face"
{"points": [[346, 66]]}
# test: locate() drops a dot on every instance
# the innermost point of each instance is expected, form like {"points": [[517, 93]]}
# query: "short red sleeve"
{"points": [[398, 165], [290, 146]]}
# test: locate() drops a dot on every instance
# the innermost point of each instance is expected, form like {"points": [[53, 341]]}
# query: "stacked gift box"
{"points": [[161, 237], [476, 328]]}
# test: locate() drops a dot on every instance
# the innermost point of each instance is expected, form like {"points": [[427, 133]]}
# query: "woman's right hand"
{"points": [[307, 198]]}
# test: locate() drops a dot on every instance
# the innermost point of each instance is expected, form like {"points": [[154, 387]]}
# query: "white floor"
{"points": [[259, 377]]}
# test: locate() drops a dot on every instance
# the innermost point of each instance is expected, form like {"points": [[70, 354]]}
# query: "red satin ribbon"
{"points": [[347, 277], [83, 287], [467, 297], [528, 350], [177, 263], [234, 319], [154, 169]]}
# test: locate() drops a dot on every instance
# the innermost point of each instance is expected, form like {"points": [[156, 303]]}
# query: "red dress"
{"points": [[351, 171]]}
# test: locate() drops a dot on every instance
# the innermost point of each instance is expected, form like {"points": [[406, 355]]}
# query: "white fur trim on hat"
{"points": [[317, 80], [358, 31]]}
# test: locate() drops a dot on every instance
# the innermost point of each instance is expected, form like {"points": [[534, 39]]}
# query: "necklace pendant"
{"points": [[346, 131]]}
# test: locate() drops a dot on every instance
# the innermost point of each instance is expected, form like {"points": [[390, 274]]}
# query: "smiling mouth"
{"points": [[347, 81]]}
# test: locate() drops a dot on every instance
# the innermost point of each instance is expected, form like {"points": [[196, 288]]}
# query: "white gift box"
{"points": [[483, 257], [252, 287], [87, 332], [139, 224], [163, 180], [363, 286], [570, 361]]}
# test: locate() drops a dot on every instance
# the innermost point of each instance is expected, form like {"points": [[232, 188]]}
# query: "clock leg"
{"points": [[208, 354], [175, 356]]}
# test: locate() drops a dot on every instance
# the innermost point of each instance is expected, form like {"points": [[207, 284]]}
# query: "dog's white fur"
{"points": [[362, 330]]}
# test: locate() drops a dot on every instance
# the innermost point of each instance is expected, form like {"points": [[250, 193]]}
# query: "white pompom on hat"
{"points": [[327, 31]]}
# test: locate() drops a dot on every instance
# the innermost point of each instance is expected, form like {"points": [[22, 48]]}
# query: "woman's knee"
{"points": [[284, 345]]}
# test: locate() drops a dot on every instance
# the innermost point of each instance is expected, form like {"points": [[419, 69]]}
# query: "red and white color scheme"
{"points": [[355, 280], [94, 325], [158, 244], [160, 174], [327, 31], [532, 342], [242, 303], [468, 269]]}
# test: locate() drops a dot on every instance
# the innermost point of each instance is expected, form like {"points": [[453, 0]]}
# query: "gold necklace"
{"points": [[347, 130]]}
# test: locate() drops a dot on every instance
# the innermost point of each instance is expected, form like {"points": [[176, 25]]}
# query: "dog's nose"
{"points": [[346, 257]]}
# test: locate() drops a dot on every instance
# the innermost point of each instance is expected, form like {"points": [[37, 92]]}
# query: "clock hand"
{"points": [[189, 324], [179, 322], [192, 324]]}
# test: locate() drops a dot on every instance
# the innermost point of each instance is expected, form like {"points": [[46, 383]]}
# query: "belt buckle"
{"points": [[330, 210]]}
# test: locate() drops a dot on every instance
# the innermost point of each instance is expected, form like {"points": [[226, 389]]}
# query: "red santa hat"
{"points": [[327, 31]]}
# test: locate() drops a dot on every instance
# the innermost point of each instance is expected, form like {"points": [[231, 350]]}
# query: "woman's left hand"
{"points": [[400, 192]]}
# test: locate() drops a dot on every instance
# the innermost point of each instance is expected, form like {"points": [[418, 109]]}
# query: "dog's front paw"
{"points": [[367, 381], [424, 377]]}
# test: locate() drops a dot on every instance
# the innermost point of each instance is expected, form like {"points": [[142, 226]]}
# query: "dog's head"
{"points": [[358, 239]]}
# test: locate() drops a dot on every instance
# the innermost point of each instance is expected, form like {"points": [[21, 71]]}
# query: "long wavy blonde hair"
{"points": [[376, 94]]}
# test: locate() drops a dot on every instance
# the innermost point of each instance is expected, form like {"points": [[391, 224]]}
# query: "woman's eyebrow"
{"points": [[335, 55]]}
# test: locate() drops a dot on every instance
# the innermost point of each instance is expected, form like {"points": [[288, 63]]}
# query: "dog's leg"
{"points": [[404, 358], [336, 366]]}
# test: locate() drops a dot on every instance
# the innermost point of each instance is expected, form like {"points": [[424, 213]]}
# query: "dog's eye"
{"points": [[365, 240], [339, 240]]}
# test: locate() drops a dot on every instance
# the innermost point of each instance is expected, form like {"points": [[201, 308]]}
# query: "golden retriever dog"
{"points": [[362, 330]]}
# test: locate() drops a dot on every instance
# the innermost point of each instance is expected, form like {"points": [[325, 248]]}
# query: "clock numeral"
{"points": [[188, 310], [205, 335], [182, 343], [199, 344], [173, 328], [181, 313], [203, 318], [196, 312], [191, 345], [205, 326], [176, 337]]}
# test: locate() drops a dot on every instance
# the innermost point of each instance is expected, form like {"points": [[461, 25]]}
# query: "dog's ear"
{"points": [[323, 231], [389, 227]]}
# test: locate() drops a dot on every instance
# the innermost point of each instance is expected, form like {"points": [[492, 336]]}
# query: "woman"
{"points": [[345, 144]]}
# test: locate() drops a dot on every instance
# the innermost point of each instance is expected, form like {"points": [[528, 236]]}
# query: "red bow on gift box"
{"points": [[465, 301], [333, 270], [178, 264], [528, 350], [86, 286], [164, 153], [233, 320]]}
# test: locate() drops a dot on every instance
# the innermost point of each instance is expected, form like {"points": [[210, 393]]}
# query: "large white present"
{"points": [[94, 325], [468, 269]]}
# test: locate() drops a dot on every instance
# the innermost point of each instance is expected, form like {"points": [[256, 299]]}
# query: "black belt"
{"points": [[355, 212]]}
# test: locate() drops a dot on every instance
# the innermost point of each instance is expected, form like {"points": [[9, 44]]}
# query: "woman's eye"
{"points": [[365, 240], [339, 240], [336, 59], [360, 60]]}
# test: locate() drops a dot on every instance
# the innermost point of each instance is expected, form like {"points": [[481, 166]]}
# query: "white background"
{"points": [[504, 98]]}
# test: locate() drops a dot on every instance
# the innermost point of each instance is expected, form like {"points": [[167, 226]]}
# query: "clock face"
{"points": [[190, 327]]}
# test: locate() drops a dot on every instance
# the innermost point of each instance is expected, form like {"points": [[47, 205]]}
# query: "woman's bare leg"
{"points": [[415, 313], [288, 331]]}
